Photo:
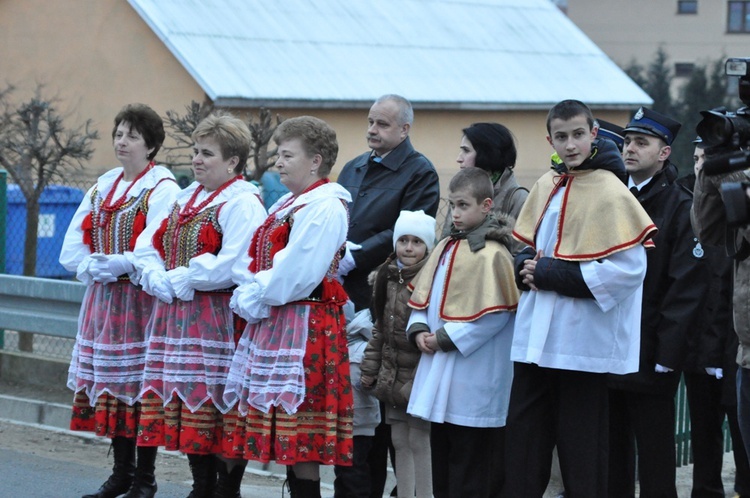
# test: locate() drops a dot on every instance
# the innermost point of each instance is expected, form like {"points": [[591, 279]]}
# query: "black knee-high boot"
{"points": [[122, 471], [290, 483], [309, 488], [301, 488], [144, 483], [203, 468], [228, 485], [305, 488]]}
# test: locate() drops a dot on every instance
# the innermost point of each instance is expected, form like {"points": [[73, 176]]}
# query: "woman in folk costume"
{"points": [[187, 266], [290, 374], [110, 349]]}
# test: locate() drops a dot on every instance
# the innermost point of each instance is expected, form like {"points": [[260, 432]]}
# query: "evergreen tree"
{"points": [[692, 101], [706, 89], [635, 72], [716, 87], [658, 81]]}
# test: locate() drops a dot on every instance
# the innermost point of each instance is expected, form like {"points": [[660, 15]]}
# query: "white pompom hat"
{"points": [[415, 223]]}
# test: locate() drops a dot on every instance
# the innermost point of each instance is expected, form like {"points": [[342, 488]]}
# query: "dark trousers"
{"points": [[551, 407], [354, 481], [645, 421], [496, 442], [460, 461], [743, 405], [741, 461], [704, 393]]}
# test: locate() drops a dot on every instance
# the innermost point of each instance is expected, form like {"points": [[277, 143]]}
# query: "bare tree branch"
{"points": [[262, 132], [180, 128], [36, 148]]}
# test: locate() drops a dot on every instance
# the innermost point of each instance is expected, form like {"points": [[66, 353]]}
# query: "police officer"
{"points": [[642, 408]]}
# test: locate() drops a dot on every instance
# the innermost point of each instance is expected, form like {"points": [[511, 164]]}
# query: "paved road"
{"points": [[42, 463]]}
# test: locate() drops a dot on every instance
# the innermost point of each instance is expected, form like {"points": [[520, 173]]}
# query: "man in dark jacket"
{"points": [[641, 407], [384, 181], [710, 372]]}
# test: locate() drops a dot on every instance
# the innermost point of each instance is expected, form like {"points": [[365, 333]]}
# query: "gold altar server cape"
{"points": [[598, 216], [477, 283]]}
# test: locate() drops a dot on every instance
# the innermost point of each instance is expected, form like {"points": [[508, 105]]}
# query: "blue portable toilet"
{"points": [[57, 205]]}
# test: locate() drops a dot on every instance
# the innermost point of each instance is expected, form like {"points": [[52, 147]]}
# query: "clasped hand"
{"points": [[105, 268], [427, 342], [529, 266]]}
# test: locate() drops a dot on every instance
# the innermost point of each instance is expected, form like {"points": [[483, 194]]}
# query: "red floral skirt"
{"points": [[109, 417], [321, 428], [176, 428]]}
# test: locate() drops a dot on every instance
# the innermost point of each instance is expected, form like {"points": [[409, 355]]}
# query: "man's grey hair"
{"points": [[405, 111]]}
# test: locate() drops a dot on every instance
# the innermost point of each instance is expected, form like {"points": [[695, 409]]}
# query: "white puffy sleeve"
{"points": [[318, 232], [615, 277], [74, 254]]}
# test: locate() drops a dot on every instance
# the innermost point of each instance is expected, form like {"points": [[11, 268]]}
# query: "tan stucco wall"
{"points": [[98, 55], [634, 29]]}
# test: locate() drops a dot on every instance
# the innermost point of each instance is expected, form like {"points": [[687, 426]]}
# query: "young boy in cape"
{"points": [[579, 314], [464, 300]]}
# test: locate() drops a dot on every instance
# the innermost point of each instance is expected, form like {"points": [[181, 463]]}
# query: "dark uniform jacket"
{"points": [[404, 180], [677, 278], [712, 341], [710, 223]]}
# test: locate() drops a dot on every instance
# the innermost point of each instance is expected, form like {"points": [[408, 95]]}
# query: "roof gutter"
{"points": [[244, 103]]}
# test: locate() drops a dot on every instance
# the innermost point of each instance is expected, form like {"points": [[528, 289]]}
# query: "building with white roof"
{"points": [[458, 61]]}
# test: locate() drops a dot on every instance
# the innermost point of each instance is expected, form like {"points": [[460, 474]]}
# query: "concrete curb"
{"points": [[36, 412]]}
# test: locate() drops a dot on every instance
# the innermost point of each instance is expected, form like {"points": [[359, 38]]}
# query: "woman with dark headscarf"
{"points": [[491, 147]]}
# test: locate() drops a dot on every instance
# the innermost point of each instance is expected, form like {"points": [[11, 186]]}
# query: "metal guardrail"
{"points": [[40, 305]]}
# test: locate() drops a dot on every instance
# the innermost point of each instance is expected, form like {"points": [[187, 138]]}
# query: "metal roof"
{"points": [[441, 54]]}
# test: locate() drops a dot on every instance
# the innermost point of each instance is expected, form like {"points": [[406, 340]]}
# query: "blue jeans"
{"points": [[743, 405]]}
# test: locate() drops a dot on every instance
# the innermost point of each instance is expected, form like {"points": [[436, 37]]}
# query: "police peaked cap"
{"points": [[612, 132], [655, 124]]}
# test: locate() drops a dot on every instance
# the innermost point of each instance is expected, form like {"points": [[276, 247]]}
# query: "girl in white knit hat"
{"points": [[391, 360]]}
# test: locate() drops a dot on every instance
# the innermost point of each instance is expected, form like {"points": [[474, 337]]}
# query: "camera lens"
{"points": [[715, 128]]}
